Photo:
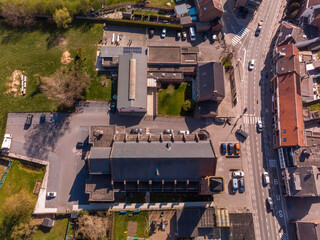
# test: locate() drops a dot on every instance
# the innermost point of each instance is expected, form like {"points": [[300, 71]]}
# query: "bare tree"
{"points": [[93, 227], [17, 14]]}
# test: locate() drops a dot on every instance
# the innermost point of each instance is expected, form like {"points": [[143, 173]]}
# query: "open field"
{"points": [[20, 176], [57, 232], [38, 51], [121, 225]]}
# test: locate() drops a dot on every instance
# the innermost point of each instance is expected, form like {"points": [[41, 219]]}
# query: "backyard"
{"points": [[171, 100], [20, 177], [37, 51], [121, 230]]}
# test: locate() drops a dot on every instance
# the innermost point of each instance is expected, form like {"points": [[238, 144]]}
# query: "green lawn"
{"points": [[57, 232], [2, 170], [162, 2], [38, 51], [314, 107], [121, 224], [19, 176], [171, 104]]}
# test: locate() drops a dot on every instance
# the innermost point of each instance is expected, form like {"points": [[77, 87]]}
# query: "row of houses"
{"points": [[295, 85]]}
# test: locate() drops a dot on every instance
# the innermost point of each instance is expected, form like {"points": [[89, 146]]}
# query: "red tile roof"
{"points": [[312, 3]]}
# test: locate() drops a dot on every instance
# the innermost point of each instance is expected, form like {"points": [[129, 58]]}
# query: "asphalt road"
{"points": [[256, 98]]}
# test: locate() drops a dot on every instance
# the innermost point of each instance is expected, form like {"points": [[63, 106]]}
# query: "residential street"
{"points": [[256, 98]]}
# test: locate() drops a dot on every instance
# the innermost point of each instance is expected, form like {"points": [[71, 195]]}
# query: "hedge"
{"points": [[125, 22]]}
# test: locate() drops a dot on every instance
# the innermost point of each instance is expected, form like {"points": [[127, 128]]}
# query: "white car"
{"points": [[237, 174], [51, 194], [266, 178], [251, 64], [6, 144], [184, 132], [259, 126], [164, 33]]}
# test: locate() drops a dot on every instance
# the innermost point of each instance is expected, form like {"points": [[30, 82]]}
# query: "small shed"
{"points": [[83, 136], [181, 10], [47, 222]]}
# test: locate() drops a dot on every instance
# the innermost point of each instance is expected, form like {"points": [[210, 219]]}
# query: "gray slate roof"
{"points": [[99, 160], [181, 10], [140, 101], [183, 161]]}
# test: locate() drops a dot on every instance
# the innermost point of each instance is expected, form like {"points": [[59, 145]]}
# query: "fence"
{"points": [[5, 174]]}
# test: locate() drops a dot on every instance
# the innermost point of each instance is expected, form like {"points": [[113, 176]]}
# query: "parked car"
{"points": [[113, 107], [29, 119], [237, 174], [42, 118], [237, 148], [259, 126], [230, 149], [219, 120], [6, 144], [258, 31], [241, 186], [164, 32], [151, 32], [184, 35], [192, 34], [266, 178], [235, 185], [242, 133], [251, 64], [51, 194], [223, 149], [204, 37], [136, 131], [214, 37], [167, 131], [270, 204], [178, 36], [183, 132]]}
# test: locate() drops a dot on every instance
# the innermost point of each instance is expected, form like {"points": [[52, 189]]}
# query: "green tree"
{"points": [[188, 105], [62, 18]]}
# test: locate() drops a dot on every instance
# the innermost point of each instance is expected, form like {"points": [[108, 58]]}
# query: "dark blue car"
{"points": [[223, 149]]}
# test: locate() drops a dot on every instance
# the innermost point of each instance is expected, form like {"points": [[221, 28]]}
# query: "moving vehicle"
{"points": [[136, 131], [151, 32], [29, 119], [242, 133], [164, 32], [237, 149], [237, 174], [167, 131], [270, 204], [192, 34], [219, 120], [258, 31], [184, 35], [51, 194], [6, 144], [178, 35], [223, 149], [235, 185], [230, 149], [251, 64], [241, 186], [113, 108], [42, 118], [259, 126], [183, 132], [266, 178]]}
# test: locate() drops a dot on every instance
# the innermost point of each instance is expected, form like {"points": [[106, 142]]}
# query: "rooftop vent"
{"points": [[157, 173], [98, 133], [282, 69]]}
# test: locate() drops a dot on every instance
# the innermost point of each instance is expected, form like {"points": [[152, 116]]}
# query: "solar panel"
{"points": [[132, 50]]}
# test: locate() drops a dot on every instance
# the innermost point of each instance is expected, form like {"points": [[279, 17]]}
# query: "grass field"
{"points": [[38, 51], [121, 224], [2, 170], [19, 176], [171, 103], [57, 232]]}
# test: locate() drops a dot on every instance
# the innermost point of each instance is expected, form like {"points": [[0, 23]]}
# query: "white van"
{"points": [[6, 144], [192, 34]]}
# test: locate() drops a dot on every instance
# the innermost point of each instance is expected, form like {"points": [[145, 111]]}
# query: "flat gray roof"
{"points": [[181, 10], [139, 104], [99, 162], [166, 55], [183, 161]]}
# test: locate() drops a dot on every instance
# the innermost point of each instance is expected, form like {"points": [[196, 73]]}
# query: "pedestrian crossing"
{"points": [[236, 39], [272, 163], [284, 237], [250, 119]]}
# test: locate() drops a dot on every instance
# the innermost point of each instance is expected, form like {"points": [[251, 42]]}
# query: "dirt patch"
{"points": [[37, 187], [65, 58], [61, 41], [13, 84], [132, 228]]}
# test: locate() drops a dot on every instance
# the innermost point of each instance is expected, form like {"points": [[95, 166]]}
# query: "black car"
{"points": [[258, 31], [29, 119], [151, 32], [136, 131], [230, 149], [219, 120], [241, 186], [42, 118], [113, 108], [205, 37]]}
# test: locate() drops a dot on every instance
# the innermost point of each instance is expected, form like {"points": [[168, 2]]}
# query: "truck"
{"points": [[6, 144], [242, 133]]}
